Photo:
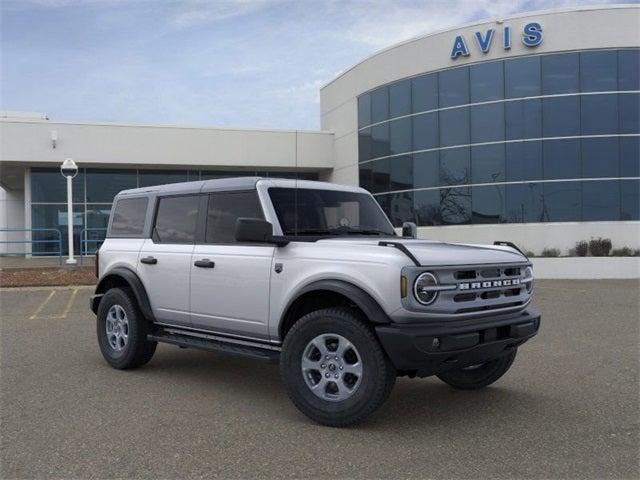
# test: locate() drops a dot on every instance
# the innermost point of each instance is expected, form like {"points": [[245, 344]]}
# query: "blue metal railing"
{"points": [[57, 241], [91, 236]]}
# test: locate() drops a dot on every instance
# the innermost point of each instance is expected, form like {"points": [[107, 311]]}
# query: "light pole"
{"points": [[69, 169]]}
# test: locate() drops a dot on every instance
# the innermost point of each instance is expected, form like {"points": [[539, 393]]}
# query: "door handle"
{"points": [[204, 263], [149, 260]]}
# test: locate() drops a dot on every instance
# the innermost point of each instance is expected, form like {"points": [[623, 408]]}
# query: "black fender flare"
{"points": [[365, 302], [134, 282]]}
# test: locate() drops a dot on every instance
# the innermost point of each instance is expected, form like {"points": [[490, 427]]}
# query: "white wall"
{"points": [[11, 217]]}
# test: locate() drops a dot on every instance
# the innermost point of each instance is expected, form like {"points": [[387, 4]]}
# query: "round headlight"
{"points": [[422, 288], [528, 276]]}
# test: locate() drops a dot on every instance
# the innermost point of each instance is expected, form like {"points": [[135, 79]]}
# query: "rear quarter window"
{"points": [[128, 217]]}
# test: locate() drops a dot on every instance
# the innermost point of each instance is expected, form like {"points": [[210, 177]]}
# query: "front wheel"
{"points": [[479, 376], [334, 368]]}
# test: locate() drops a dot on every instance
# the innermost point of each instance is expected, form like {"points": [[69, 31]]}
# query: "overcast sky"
{"points": [[243, 63]]}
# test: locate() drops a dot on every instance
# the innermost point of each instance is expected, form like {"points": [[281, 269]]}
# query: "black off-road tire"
{"points": [[481, 376], [138, 350], [378, 375]]}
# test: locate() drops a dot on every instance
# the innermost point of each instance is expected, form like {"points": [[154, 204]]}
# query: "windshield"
{"points": [[305, 211]]}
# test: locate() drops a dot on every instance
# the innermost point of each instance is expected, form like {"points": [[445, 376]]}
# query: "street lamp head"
{"points": [[69, 169]]}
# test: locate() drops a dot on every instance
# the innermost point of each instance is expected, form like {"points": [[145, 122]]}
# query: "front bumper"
{"points": [[429, 349]]}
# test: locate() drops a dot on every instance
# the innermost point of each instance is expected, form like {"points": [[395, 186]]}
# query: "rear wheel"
{"points": [[334, 368], [122, 330], [479, 376]]}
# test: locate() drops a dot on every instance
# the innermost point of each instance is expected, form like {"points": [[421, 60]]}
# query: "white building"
{"points": [[523, 128]]}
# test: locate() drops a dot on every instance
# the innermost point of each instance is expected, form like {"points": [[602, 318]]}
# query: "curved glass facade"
{"points": [[545, 138]]}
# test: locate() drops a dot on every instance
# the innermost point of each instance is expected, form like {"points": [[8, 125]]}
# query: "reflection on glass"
{"points": [[401, 208], [381, 175], [598, 71], [562, 202], [561, 116], [453, 87], [364, 110], [487, 123], [600, 157], [425, 131], [523, 119], [561, 159], [365, 170], [426, 169], [400, 135], [424, 93], [401, 172], [523, 161], [455, 166], [600, 200], [380, 140], [629, 69], [630, 200], [488, 204], [427, 207], [55, 217], [49, 186], [454, 127], [522, 77], [599, 114], [364, 145], [148, 178], [630, 157], [524, 203], [560, 73], [380, 104], [455, 205], [104, 185], [400, 98], [487, 164], [487, 81], [629, 113]]}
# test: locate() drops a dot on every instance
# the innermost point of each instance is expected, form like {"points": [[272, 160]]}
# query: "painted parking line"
{"points": [[37, 314], [42, 305]]}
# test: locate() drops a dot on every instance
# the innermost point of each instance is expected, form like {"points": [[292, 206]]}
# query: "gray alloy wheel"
{"points": [[117, 328], [332, 367]]}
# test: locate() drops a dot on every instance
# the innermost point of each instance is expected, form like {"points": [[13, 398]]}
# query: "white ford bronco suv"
{"points": [[312, 275]]}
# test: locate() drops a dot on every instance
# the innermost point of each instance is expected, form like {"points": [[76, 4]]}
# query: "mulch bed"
{"points": [[46, 276]]}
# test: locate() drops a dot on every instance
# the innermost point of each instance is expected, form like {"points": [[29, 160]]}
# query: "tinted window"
{"points": [[425, 131], [401, 208], [455, 205], [49, 186], [487, 81], [380, 140], [379, 105], [53, 217], [223, 211], [562, 201], [364, 144], [161, 177], [364, 110], [630, 157], [453, 87], [401, 172], [400, 135], [487, 123], [629, 70], [104, 185], [454, 127], [427, 207], [455, 166], [561, 159], [598, 71], [629, 113], [522, 77], [523, 119], [365, 176], [488, 204], [524, 203], [600, 157], [523, 161], [176, 219], [630, 200], [400, 98], [381, 176], [424, 93], [599, 114], [128, 217], [426, 168], [561, 116], [560, 73], [487, 164], [600, 201]]}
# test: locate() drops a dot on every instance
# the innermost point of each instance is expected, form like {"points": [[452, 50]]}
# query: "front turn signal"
{"points": [[403, 286]]}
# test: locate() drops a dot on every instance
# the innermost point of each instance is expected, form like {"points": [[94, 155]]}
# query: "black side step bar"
{"points": [[246, 351]]}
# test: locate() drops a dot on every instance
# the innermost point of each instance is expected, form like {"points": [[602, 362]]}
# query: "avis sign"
{"points": [[531, 37]]}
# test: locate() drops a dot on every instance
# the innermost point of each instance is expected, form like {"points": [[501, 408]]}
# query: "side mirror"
{"points": [[409, 230], [253, 230]]}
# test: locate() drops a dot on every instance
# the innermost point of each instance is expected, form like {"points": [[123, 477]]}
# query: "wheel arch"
{"points": [[326, 293], [125, 277]]}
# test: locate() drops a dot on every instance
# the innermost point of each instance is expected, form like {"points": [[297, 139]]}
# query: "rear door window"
{"points": [[176, 219], [224, 209], [128, 217]]}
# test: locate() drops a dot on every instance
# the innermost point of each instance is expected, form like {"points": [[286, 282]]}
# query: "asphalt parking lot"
{"points": [[569, 407]]}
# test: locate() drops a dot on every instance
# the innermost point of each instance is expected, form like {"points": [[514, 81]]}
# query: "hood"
{"points": [[433, 253]]}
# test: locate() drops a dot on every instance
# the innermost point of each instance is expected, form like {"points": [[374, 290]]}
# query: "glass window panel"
{"points": [[401, 208], [427, 207], [454, 127], [487, 81], [488, 204], [455, 205], [364, 110], [381, 175], [49, 186], [487, 163], [128, 217], [524, 203], [522, 77], [487, 123], [365, 176], [380, 104], [630, 156], [193, 175], [629, 113], [426, 169], [383, 201], [54, 217], [213, 174], [562, 202], [561, 159], [401, 172], [523, 119], [629, 69], [599, 114], [523, 161], [453, 87], [599, 71], [176, 219], [455, 166], [424, 92], [560, 73], [561, 116], [630, 200], [104, 185], [600, 157], [600, 201], [380, 141], [96, 231], [148, 178], [425, 131], [400, 98], [364, 144], [400, 135], [223, 211], [98, 216]]}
